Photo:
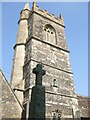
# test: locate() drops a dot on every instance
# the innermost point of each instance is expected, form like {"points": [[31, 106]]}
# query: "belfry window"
{"points": [[49, 34]]}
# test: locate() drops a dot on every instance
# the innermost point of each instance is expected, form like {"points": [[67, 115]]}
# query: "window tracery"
{"points": [[49, 34]]}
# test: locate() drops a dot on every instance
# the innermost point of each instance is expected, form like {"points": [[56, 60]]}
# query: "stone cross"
{"points": [[39, 73]]}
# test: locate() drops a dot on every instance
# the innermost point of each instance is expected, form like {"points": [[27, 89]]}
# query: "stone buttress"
{"points": [[17, 81]]}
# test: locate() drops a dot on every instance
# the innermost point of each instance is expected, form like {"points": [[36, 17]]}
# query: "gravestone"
{"points": [[37, 108]]}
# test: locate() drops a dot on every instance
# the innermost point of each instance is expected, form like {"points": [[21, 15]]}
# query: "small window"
{"points": [[54, 116], [59, 116], [54, 83]]}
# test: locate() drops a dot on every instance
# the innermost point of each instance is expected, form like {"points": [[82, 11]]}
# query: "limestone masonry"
{"points": [[41, 39]]}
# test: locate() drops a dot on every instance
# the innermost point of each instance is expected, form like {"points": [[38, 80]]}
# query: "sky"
{"points": [[76, 21]]}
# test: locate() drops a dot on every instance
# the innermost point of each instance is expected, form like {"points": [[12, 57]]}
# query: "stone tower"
{"points": [[41, 39]]}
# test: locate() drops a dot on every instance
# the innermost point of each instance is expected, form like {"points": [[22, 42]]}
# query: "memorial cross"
{"points": [[39, 73]]}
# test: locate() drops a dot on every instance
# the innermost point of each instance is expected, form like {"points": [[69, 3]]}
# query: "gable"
{"points": [[11, 107]]}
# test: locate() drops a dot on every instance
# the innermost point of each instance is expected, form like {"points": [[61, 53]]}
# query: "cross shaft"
{"points": [[39, 73]]}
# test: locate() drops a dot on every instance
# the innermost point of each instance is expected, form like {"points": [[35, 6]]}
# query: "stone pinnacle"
{"points": [[27, 6]]}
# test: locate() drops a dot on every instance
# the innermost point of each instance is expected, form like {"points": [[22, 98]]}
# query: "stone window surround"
{"points": [[50, 30]]}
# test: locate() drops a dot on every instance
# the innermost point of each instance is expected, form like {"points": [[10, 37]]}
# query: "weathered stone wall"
{"points": [[19, 55], [55, 59], [50, 55], [39, 23], [55, 66], [23, 27], [11, 108], [37, 52], [30, 25], [19, 49], [17, 72], [63, 95], [84, 106]]}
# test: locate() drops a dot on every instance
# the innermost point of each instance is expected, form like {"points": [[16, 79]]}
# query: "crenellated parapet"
{"points": [[45, 13]]}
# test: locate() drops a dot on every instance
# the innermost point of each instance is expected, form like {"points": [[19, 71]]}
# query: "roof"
{"points": [[10, 88]]}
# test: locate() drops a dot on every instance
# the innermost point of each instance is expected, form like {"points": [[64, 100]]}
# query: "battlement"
{"points": [[45, 13]]}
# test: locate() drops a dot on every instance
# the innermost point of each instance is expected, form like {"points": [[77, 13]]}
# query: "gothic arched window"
{"points": [[49, 34]]}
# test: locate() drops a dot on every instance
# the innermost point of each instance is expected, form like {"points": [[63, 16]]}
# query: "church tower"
{"points": [[41, 39]]}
